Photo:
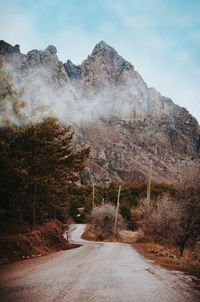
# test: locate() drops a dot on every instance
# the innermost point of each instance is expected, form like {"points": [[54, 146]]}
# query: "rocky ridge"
{"points": [[135, 124]]}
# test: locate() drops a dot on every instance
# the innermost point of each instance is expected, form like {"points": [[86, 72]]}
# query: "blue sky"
{"points": [[161, 38]]}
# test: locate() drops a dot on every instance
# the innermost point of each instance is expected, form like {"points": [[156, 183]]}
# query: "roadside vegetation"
{"points": [[102, 221], [174, 220]]}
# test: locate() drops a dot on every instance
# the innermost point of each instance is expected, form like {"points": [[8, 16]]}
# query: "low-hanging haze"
{"points": [[160, 38]]}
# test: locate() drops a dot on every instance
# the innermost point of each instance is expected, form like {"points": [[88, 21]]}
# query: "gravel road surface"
{"points": [[100, 272]]}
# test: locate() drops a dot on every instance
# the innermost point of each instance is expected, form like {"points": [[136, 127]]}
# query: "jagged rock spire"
{"points": [[112, 57], [51, 49], [103, 47], [72, 70]]}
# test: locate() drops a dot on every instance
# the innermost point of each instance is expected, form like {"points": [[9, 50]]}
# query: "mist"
{"points": [[44, 95]]}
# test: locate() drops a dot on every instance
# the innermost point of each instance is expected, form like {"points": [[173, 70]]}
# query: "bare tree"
{"points": [[189, 191], [67, 233], [175, 220], [164, 220], [102, 219]]}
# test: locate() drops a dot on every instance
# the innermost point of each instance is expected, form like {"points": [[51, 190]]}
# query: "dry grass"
{"points": [[166, 257], [130, 236]]}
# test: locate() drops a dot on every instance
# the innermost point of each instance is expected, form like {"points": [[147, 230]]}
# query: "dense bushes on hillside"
{"points": [[172, 217], [131, 194]]}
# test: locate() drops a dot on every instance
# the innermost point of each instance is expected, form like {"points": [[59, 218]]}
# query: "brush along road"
{"points": [[100, 272]]}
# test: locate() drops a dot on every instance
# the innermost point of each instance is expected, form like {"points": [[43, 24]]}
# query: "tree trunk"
{"points": [[182, 245]]}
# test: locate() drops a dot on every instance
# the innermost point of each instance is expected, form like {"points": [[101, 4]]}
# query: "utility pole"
{"points": [[149, 183], [117, 210], [92, 197]]}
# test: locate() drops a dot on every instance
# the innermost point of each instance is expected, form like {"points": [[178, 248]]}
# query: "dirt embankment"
{"points": [[44, 240]]}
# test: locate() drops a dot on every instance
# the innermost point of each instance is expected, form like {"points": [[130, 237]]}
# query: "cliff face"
{"points": [[126, 123], [142, 124], [46, 60]]}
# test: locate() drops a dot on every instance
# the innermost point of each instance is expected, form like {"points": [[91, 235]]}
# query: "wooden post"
{"points": [[93, 197], [149, 183], [117, 210]]}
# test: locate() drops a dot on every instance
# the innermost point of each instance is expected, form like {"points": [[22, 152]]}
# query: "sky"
{"points": [[161, 38]]}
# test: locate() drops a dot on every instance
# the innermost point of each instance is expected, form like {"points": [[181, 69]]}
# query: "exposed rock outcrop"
{"points": [[133, 123], [7, 49], [72, 70]]}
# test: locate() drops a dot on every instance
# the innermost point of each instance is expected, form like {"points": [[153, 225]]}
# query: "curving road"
{"points": [[100, 272]]}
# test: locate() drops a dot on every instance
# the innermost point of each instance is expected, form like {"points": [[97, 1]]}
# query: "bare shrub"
{"points": [[164, 220], [189, 192], [102, 219], [175, 220], [145, 207]]}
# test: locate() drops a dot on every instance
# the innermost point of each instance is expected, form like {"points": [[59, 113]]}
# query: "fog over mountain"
{"points": [[111, 108]]}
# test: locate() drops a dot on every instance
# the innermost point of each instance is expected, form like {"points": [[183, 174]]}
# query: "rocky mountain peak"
{"points": [[111, 57], [6, 48], [51, 49], [112, 109], [7, 51], [103, 47], [103, 68]]}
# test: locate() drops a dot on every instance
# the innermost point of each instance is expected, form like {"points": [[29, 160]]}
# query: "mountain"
{"points": [[112, 109]]}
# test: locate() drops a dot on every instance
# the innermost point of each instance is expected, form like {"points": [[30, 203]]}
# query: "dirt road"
{"points": [[100, 272]]}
